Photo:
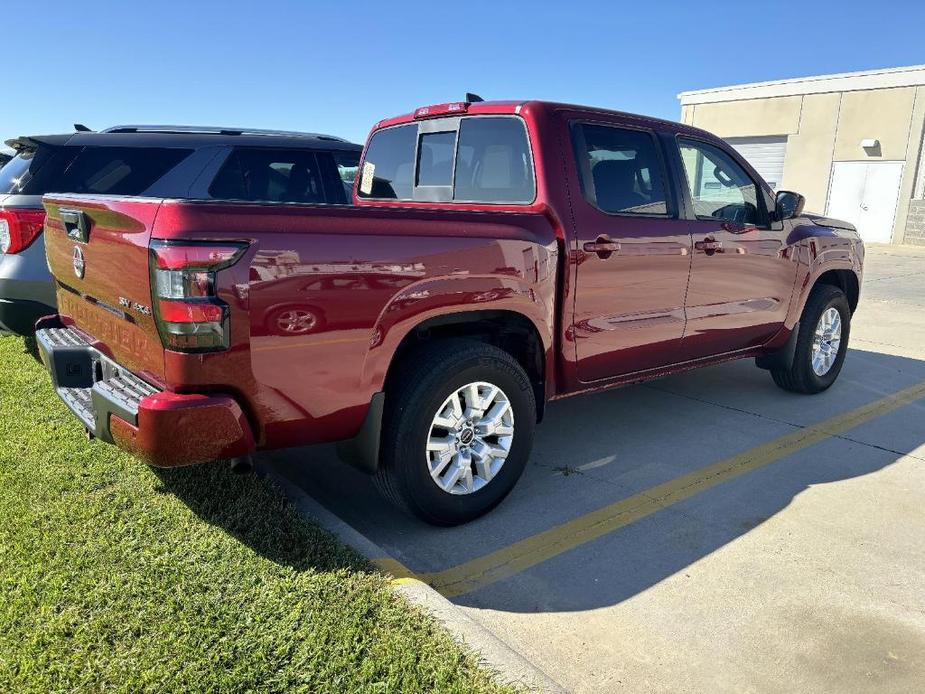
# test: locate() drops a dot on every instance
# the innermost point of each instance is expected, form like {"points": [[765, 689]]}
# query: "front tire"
{"points": [[821, 343], [458, 429]]}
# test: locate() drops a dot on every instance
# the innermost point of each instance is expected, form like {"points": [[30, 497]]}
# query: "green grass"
{"points": [[116, 576]]}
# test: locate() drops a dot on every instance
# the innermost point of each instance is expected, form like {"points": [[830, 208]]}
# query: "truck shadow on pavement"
{"points": [[596, 450]]}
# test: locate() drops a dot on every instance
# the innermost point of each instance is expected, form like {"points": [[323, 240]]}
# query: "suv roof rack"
{"points": [[212, 130]]}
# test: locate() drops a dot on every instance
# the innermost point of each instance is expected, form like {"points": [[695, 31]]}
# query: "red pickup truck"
{"points": [[499, 255]]}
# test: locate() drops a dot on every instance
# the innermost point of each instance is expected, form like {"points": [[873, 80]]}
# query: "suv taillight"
{"points": [[19, 228], [190, 316]]}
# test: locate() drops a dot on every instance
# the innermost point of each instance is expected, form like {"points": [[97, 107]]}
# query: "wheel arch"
{"points": [[509, 330], [844, 279]]}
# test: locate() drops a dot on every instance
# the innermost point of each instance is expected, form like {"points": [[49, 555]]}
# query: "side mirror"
{"points": [[788, 205]]}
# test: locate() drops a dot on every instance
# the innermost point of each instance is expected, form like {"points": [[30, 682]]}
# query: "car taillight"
{"points": [[190, 316], [19, 228]]}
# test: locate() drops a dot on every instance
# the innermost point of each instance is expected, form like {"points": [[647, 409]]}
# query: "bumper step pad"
{"points": [[90, 384]]}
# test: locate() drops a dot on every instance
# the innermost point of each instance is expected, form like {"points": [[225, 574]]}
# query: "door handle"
{"points": [[604, 246], [709, 246]]}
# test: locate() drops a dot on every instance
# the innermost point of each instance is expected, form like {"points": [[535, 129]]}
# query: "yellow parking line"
{"points": [[395, 568], [533, 550]]}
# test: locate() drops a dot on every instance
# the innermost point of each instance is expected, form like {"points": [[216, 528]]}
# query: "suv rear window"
{"points": [[21, 174], [469, 159], [103, 170]]}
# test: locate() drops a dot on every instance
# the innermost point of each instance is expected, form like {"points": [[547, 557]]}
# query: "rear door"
{"points": [[742, 273], [633, 253]]}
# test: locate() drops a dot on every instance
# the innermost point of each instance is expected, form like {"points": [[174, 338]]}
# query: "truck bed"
{"points": [[318, 303]]}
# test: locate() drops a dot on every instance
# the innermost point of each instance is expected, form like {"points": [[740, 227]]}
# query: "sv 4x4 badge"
{"points": [[134, 306]]}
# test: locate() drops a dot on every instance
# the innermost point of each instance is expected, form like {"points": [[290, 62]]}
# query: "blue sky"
{"points": [[339, 67]]}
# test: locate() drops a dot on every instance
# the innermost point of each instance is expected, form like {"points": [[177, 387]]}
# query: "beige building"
{"points": [[851, 143]]}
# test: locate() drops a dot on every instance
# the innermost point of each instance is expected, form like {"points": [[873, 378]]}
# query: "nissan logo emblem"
{"points": [[79, 263]]}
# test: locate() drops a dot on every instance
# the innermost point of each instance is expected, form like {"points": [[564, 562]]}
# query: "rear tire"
{"points": [[814, 369], [445, 385]]}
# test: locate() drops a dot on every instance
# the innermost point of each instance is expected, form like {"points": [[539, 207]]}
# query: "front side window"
{"points": [[347, 163], [476, 159], [269, 175], [719, 187], [621, 170]]}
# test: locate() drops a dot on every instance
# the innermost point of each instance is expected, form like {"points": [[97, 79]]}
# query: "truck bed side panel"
{"points": [[360, 280]]}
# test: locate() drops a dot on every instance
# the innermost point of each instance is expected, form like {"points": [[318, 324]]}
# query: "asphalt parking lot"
{"points": [[704, 532]]}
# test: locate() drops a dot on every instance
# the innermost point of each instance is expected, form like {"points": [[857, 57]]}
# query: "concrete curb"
{"points": [[493, 653]]}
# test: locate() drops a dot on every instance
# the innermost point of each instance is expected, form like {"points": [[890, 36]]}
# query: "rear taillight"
{"points": [[190, 316], [19, 228]]}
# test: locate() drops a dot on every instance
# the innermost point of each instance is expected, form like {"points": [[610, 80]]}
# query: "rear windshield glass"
{"points": [[435, 159], [388, 169], [269, 175], [485, 159], [100, 170], [493, 164], [12, 172], [21, 174]]}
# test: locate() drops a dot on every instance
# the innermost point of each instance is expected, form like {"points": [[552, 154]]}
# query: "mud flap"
{"points": [[362, 451], [782, 359]]}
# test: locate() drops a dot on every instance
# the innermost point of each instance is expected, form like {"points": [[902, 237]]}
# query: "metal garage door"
{"points": [[766, 154]]}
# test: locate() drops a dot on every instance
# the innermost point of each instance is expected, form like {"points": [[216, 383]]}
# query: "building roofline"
{"points": [[913, 75]]}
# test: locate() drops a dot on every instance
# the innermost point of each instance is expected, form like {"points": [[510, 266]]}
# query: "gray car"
{"points": [[26, 290], [162, 161]]}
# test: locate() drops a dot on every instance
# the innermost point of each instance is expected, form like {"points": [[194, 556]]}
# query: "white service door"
{"points": [[765, 154], [866, 194]]}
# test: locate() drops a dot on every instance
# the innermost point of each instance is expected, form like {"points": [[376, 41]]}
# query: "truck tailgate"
{"points": [[98, 252]]}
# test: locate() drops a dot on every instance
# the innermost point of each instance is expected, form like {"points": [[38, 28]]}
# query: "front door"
{"points": [[742, 272], [633, 254], [865, 194]]}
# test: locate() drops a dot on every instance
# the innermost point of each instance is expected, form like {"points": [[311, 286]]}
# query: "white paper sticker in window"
{"points": [[366, 181]]}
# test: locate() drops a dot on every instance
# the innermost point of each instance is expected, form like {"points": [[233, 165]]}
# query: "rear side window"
{"points": [[112, 170], [469, 159], [269, 176], [621, 170]]}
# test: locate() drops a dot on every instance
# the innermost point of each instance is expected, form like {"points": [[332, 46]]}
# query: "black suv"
{"points": [[158, 161]]}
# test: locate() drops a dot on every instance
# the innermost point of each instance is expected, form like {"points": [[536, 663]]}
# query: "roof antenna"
{"points": [[81, 128], [473, 98]]}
